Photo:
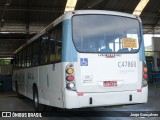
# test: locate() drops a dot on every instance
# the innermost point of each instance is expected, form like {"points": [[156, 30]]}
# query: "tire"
{"points": [[37, 105]]}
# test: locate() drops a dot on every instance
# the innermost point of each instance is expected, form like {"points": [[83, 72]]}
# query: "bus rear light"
{"points": [[145, 70], [70, 78], [69, 71], [70, 85], [144, 83], [145, 76]]}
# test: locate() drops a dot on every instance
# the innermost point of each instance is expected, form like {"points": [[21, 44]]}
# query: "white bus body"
{"points": [[99, 78]]}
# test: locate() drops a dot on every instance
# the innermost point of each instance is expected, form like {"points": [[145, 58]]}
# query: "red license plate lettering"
{"points": [[109, 83]]}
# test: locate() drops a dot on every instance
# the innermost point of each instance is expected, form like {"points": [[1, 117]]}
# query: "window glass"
{"points": [[105, 33], [24, 58], [20, 59], [55, 44], [59, 45], [29, 55], [16, 60], [36, 48], [52, 49], [44, 49]]}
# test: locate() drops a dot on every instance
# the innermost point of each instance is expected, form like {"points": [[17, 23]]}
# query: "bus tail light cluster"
{"points": [[145, 76], [70, 79]]}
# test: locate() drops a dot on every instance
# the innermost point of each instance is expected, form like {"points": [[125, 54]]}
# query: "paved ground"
{"points": [[10, 102]]}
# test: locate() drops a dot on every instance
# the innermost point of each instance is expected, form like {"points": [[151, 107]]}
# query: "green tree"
{"points": [[5, 61], [148, 53]]}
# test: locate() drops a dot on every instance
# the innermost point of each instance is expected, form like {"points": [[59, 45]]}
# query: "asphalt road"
{"points": [[10, 102]]}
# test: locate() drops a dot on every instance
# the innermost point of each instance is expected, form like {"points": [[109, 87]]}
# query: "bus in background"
{"points": [[85, 58]]}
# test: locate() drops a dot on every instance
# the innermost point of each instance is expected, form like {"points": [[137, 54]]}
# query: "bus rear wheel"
{"points": [[37, 105]]}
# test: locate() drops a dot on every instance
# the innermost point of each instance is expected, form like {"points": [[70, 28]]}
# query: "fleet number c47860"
{"points": [[127, 64]]}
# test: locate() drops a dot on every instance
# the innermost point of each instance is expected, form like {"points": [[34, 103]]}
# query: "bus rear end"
{"points": [[107, 64]]}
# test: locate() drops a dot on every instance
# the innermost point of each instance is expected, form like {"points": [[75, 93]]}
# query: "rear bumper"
{"points": [[72, 100]]}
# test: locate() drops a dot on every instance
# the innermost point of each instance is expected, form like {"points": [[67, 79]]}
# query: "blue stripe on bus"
{"points": [[142, 51], [69, 53]]}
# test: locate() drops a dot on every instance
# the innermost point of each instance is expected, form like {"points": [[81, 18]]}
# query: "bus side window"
{"points": [[44, 49], [20, 59], [17, 60], [55, 44], [29, 55], [23, 58], [35, 58], [58, 51], [59, 43], [52, 53], [58, 47]]}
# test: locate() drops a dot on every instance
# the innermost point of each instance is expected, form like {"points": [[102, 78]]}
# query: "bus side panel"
{"points": [[50, 85], [31, 77], [20, 78], [48, 79]]}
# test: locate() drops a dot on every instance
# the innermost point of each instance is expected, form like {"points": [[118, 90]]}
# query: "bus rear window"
{"points": [[105, 34]]}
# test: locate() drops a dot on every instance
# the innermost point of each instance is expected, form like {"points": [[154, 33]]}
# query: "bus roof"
{"points": [[68, 15]]}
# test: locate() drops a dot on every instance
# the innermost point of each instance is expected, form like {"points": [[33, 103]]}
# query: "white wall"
{"points": [[156, 49]]}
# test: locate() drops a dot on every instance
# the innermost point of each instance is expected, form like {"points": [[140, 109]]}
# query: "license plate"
{"points": [[109, 83]]}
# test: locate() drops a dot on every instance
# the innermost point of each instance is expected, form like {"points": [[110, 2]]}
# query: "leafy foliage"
{"points": [[5, 61], [148, 53]]}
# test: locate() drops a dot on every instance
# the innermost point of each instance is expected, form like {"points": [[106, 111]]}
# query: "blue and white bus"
{"points": [[85, 58]]}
